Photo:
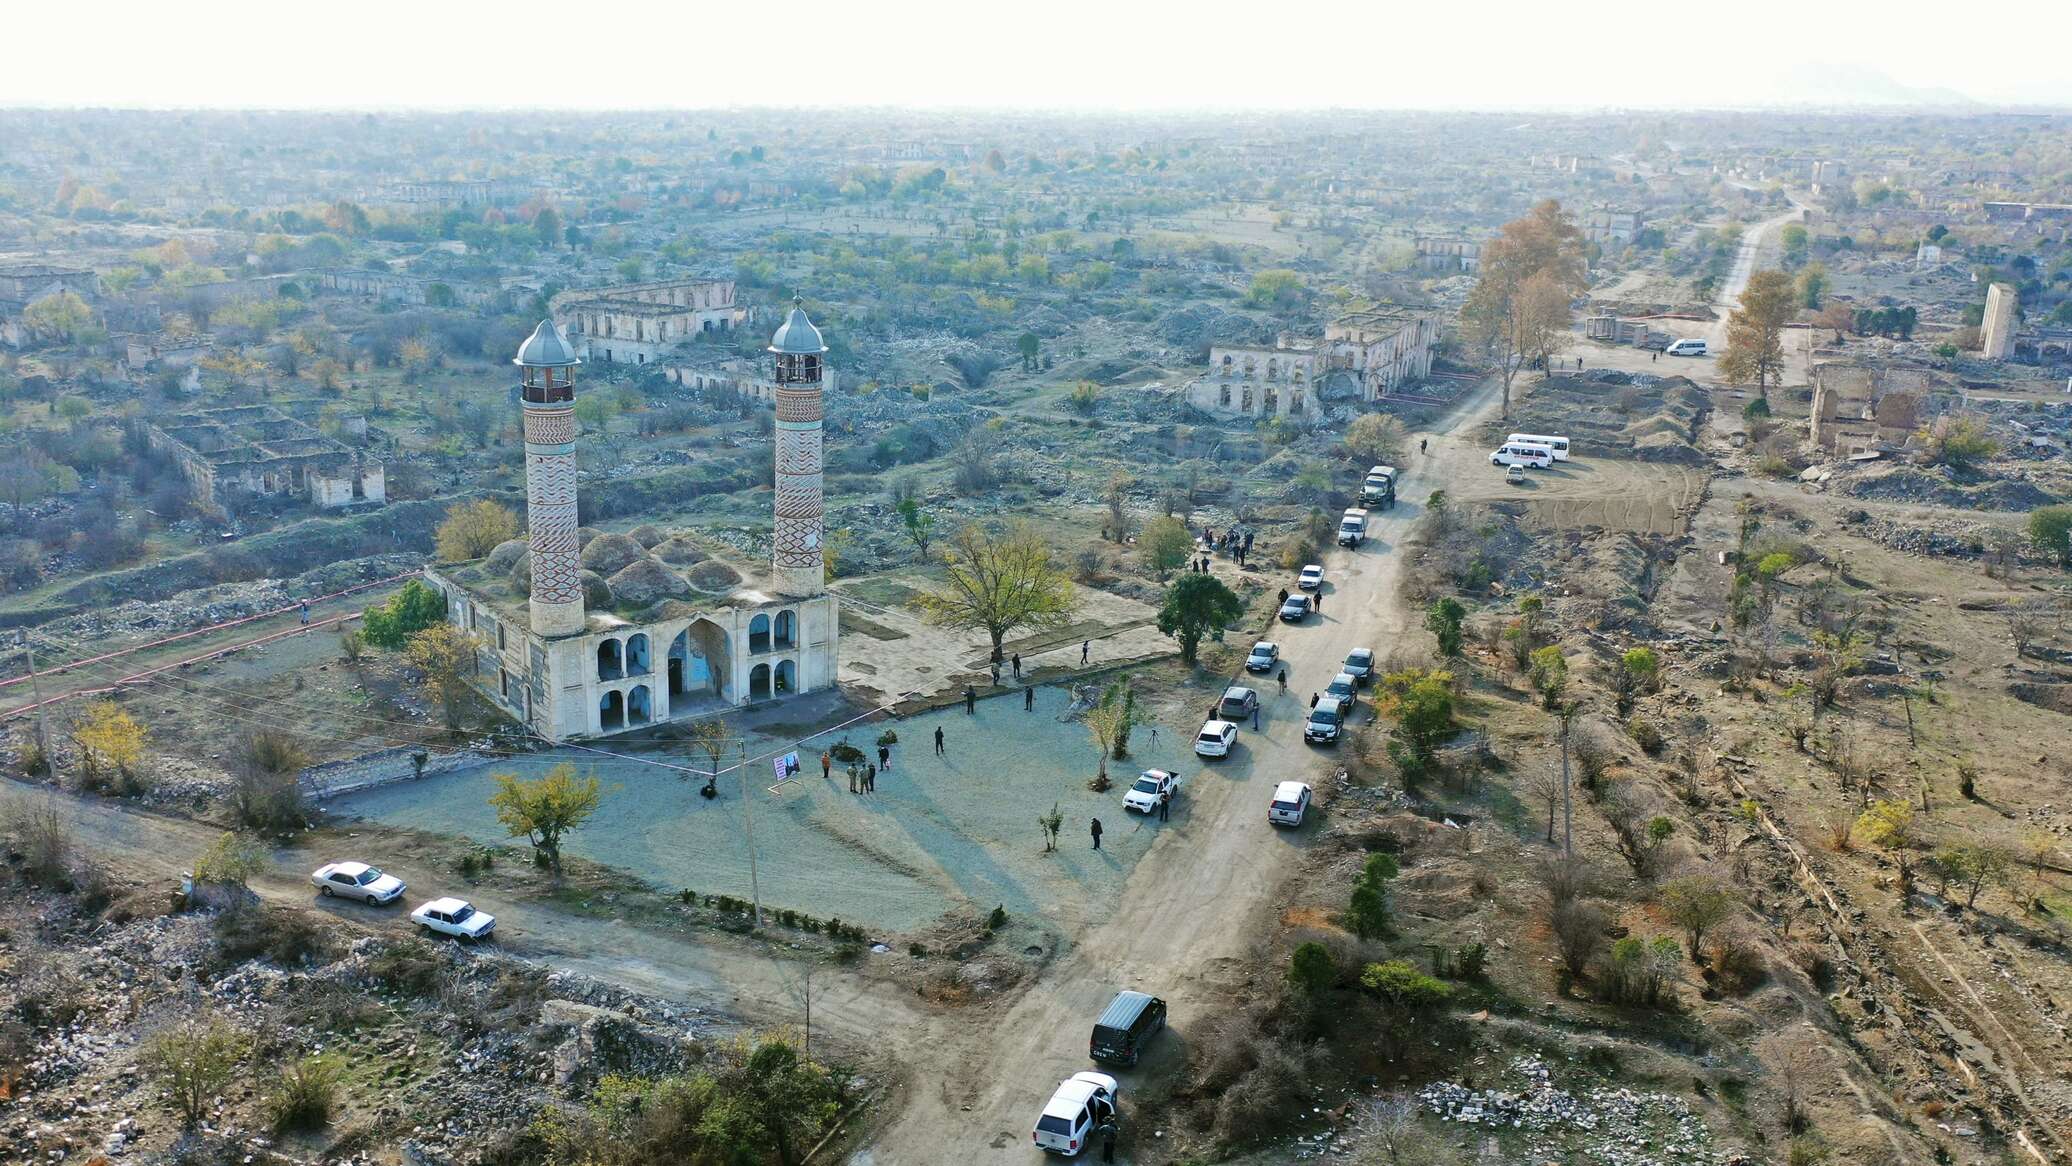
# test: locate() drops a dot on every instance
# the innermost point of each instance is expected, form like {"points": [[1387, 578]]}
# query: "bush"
{"points": [[1404, 986], [1637, 971], [284, 937], [998, 919], [408, 966], [1311, 971], [305, 1096], [1367, 914], [1276, 1086], [194, 1063]]}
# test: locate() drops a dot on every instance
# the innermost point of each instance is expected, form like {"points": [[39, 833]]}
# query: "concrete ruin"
{"points": [[22, 284], [1611, 226], [639, 323], [586, 634], [1858, 408], [1365, 355], [1996, 331], [257, 449], [1450, 254]]}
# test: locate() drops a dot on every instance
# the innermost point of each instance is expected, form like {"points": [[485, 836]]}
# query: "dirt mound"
{"points": [[506, 553], [608, 554], [1937, 486], [646, 582], [597, 594], [713, 576], [647, 534], [681, 552], [521, 570]]}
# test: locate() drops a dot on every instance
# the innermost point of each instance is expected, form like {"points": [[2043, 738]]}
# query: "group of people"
{"points": [[864, 780]]}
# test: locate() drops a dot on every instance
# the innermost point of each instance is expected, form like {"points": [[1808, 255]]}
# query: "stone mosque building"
{"points": [[586, 634]]}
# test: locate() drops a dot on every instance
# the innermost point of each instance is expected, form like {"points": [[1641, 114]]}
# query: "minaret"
{"points": [[548, 390], [797, 567]]}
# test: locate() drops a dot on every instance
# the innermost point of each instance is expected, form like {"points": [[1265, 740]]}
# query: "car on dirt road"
{"points": [[1312, 577], [1345, 689], [1295, 609], [1074, 1112], [1215, 739], [1151, 787], [1264, 654], [357, 880], [1238, 703], [455, 917], [1515, 475], [1359, 663], [1290, 803], [1326, 722]]}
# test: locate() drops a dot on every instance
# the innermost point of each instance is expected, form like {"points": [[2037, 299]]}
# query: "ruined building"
{"points": [[1362, 356], [583, 634], [1858, 408], [22, 284], [257, 449], [1996, 331], [638, 323]]}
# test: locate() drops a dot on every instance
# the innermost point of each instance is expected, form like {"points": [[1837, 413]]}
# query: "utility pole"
{"points": [[36, 694], [755, 891]]}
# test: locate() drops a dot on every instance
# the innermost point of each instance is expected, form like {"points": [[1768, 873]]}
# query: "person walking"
{"points": [[870, 780], [1097, 833], [1313, 698], [1028, 698], [1017, 662], [970, 701], [1284, 681], [884, 757], [1154, 734], [996, 674], [1284, 597], [305, 613], [1085, 646], [1422, 442], [1318, 602], [827, 762], [938, 742]]}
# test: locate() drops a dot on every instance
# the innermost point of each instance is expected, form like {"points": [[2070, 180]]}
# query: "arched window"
{"points": [[759, 682], [1224, 396], [611, 711], [1273, 370], [759, 634], [787, 676], [637, 654], [787, 635], [640, 706], [1247, 405], [610, 663]]}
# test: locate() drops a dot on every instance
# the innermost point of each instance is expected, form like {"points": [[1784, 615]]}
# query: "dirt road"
{"points": [[1202, 902]]}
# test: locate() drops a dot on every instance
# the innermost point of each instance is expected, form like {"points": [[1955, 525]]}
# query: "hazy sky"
{"points": [[616, 54]]}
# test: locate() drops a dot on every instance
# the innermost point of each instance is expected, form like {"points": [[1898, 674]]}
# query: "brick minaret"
{"points": [[548, 390], [799, 352]]}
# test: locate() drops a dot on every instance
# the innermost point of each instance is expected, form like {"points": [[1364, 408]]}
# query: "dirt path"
{"points": [[1201, 905]]}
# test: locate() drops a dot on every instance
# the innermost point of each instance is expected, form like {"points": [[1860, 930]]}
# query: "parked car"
{"points": [[1290, 803], [1326, 722], [1215, 739], [1237, 703], [1312, 577], [1345, 688], [1151, 787], [1264, 655], [1514, 475], [357, 880], [1296, 609], [1078, 1107], [1129, 1020], [455, 917], [1359, 663]]}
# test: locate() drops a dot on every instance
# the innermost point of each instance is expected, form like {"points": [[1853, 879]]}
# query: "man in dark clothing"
{"points": [[1284, 597], [1165, 806], [1421, 443], [305, 613], [938, 742], [1097, 833], [1318, 601], [1028, 698], [1017, 662], [1085, 646], [970, 701], [1284, 682], [1255, 718], [870, 780], [1108, 1131], [884, 757], [1313, 698]]}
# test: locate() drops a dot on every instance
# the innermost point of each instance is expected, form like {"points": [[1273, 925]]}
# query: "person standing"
{"points": [[1028, 698], [1097, 833], [1282, 602], [1422, 442], [1255, 718], [870, 780], [1313, 698], [938, 742], [1165, 806], [1318, 603], [852, 777], [995, 667], [305, 613], [1017, 662], [970, 701], [827, 764], [1085, 647], [1108, 1131], [1284, 681], [884, 757]]}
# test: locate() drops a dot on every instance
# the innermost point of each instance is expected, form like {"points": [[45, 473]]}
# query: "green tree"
{"points": [[1109, 724], [998, 582], [1888, 824], [1165, 545], [1794, 239], [1755, 332], [230, 861], [1549, 673], [547, 225], [473, 529], [62, 317], [1697, 903], [917, 523], [1196, 605], [446, 656], [2050, 532], [1030, 346], [1311, 971], [545, 809], [407, 612], [1276, 287], [1424, 712], [194, 1063], [788, 1097], [1812, 286], [1443, 620], [1960, 442], [1973, 865], [1374, 439], [1367, 913]]}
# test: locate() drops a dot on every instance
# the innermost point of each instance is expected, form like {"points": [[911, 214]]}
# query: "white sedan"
{"points": [[1312, 577], [1152, 787], [357, 880], [1215, 739], [455, 917]]}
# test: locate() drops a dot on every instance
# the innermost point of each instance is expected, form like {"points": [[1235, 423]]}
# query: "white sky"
{"points": [[1049, 54]]}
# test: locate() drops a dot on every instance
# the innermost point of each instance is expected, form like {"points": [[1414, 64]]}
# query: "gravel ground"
{"points": [[940, 834]]}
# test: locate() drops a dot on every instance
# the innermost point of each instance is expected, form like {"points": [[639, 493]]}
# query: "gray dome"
{"points": [[798, 336], [546, 349]]}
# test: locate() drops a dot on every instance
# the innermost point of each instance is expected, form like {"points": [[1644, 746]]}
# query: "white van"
{"points": [[1352, 528], [1687, 347], [1558, 444], [1520, 453]]}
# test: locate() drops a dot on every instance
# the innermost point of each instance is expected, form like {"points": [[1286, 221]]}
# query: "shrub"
{"points": [[305, 1096], [194, 1063], [998, 919], [1736, 964], [1368, 912], [1404, 986], [1578, 934], [1311, 971], [1637, 971], [285, 937]]}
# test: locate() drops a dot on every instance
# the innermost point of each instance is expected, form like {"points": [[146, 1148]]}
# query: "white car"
{"points": [[1264, 654], [357, 880], [1215, 739], [1312, 577], [1152, 787], [1290, 802], [455, 917], [1074, 1112]]}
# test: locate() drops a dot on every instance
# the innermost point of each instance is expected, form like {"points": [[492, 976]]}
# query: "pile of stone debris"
{"points": [[1615, 1127]]}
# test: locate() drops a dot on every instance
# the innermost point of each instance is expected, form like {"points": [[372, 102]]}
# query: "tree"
{"points": [[1117, 496], [1794, 239], [547, 225], [407, 612], [447, 656], [268, 795], [1549, 673], [108, 739], [1637, 970], [2050, 531], [1836, 317], [28, 475], [1424, 714], [1197, 605], [1973, 865], [230, 861], [917, 523], [1500, 317], [998, 582], [787, 1097], [1109, 723], [1542, 317], [1374, 439], [1960, 442], [1638, 670], [1276, 287], [1165, 545], [1755, 332], [473, 529], [1812, 286], [1368, 911], [194, 1062], [1030, 346], [1311, 970], [1578, 927], [1888, 824], [1443, 620], [1696, 903], [546, 808], [62, 317], [1051, 824]]}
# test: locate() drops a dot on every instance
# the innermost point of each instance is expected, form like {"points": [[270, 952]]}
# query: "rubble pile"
{"points": [[1612, 1127]]}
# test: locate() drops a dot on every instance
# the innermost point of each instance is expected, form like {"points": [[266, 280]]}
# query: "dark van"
{"points": [[1124, 1026]]}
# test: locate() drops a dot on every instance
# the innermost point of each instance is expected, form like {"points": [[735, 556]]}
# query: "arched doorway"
{"points": [[637, 655], [640, 706], [759, 682], [611, 712], [787, 629], [699, 664], [787, 676], [610, 665]]}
